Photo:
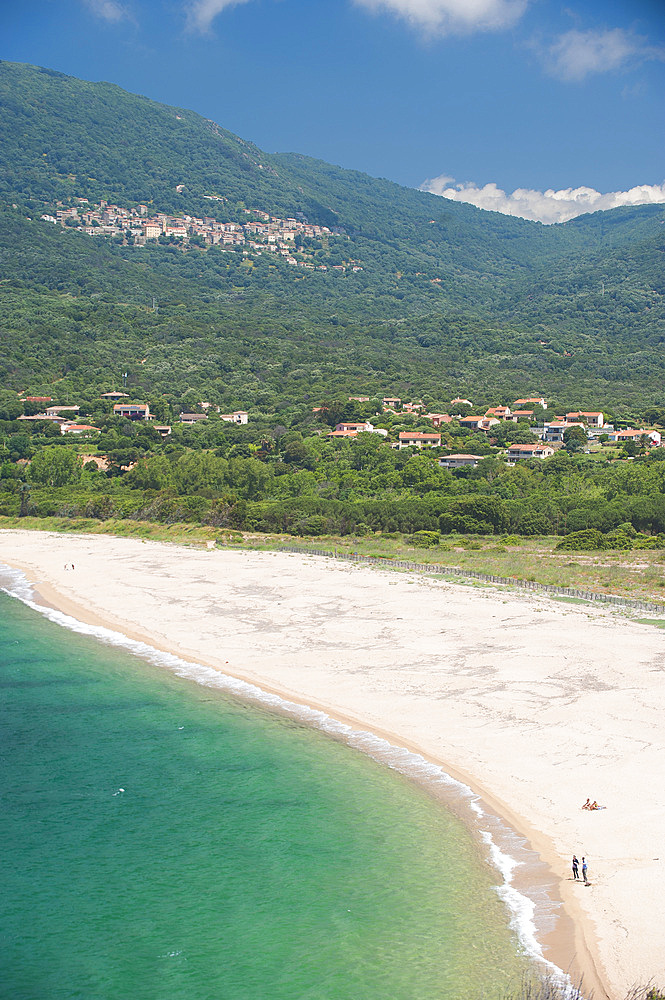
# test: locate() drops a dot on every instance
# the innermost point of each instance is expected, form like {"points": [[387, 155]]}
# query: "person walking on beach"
{"points": [[584, 871], [576, 872]]}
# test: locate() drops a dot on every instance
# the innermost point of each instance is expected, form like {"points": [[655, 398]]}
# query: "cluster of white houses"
{"points": [[262, 233]]}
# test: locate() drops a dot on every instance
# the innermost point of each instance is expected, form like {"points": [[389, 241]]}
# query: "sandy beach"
{"points": [[533, 703]]}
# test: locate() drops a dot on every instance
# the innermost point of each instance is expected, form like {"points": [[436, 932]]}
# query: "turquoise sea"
{"points": [[162, 840]]}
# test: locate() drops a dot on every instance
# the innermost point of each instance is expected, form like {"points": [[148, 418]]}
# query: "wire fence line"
{"points": [[512, 581]]}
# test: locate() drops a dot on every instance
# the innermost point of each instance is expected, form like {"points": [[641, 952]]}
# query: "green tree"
{"points": [[19, 446], [10, 406], [295, 452], [510, 433], [574, 439], [55, 466]]}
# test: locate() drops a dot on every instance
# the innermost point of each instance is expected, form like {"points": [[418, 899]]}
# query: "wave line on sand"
{"points": [[521, 908]]}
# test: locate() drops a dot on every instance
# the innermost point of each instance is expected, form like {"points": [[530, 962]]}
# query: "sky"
{"points": [[531, 107]]}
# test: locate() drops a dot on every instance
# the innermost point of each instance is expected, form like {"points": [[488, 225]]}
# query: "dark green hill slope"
{"points": [[448, 296], [64, 137]]}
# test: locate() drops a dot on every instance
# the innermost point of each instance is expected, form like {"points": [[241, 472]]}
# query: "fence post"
{"points": [[437, 568]]}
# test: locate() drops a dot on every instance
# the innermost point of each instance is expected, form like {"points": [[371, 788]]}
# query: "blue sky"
{"points": [[473, 97]]}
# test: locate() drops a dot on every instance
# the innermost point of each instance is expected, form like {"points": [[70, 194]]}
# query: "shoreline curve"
{"points": [[589, 955]]}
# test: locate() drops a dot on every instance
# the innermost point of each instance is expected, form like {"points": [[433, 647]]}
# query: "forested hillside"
{"points": [[361, 288], [447, 298]]}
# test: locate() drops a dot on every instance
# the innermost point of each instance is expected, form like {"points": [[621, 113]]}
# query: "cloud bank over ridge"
{"points": [[543, 206]]}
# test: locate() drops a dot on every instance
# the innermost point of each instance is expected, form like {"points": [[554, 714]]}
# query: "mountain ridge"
{"points": [[578, 299]]}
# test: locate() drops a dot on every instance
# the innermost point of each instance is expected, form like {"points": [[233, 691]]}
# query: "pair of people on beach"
{"points": [[576, 870], [592, 805]]}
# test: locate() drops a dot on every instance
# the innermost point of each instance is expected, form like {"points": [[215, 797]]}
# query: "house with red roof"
{"points": [[353, 425], [478, 423], [555, 430], [55, 411], [192, 418], [78, 429], [343, 434], [237, 417], [419, 439], [533, 401], [439, 418], [500, 412], [653, 437]]}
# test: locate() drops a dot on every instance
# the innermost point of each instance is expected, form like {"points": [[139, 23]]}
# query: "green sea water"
{"points": [[249, 856]]}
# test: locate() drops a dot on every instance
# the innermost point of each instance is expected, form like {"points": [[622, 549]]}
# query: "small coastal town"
{"points": [[588, 429], [261, 233]]}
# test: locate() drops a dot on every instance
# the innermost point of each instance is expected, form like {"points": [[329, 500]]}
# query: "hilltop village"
{"points": [[261, 233]]}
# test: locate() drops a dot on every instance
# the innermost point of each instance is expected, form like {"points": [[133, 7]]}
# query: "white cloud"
{"points": [[445, 17], [108, 10], [576, 54], [201, 13], [544, 206]]}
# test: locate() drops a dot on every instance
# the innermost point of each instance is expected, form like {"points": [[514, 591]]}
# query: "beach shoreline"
{"points": [[579, 941], [564, 947]]}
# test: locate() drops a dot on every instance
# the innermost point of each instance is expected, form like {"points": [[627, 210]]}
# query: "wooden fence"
{"points": [[512, 581]]}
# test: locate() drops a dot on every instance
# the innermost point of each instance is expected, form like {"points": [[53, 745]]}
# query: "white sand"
{"points": [[536, 704]]}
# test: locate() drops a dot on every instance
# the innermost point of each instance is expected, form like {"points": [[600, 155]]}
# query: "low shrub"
{"points": [[424, 539], [580, 541], [649, 542], [590, 539]]}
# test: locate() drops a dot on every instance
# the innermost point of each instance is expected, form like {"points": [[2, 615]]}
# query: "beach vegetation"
{"points": [[536, 559], [424, 539], [590, 539]]}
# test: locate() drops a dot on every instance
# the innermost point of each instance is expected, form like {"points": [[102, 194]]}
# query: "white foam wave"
{"points": [[521, 909]]}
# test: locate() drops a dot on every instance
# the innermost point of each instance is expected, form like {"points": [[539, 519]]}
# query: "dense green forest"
{"points": [[450, 300]]}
